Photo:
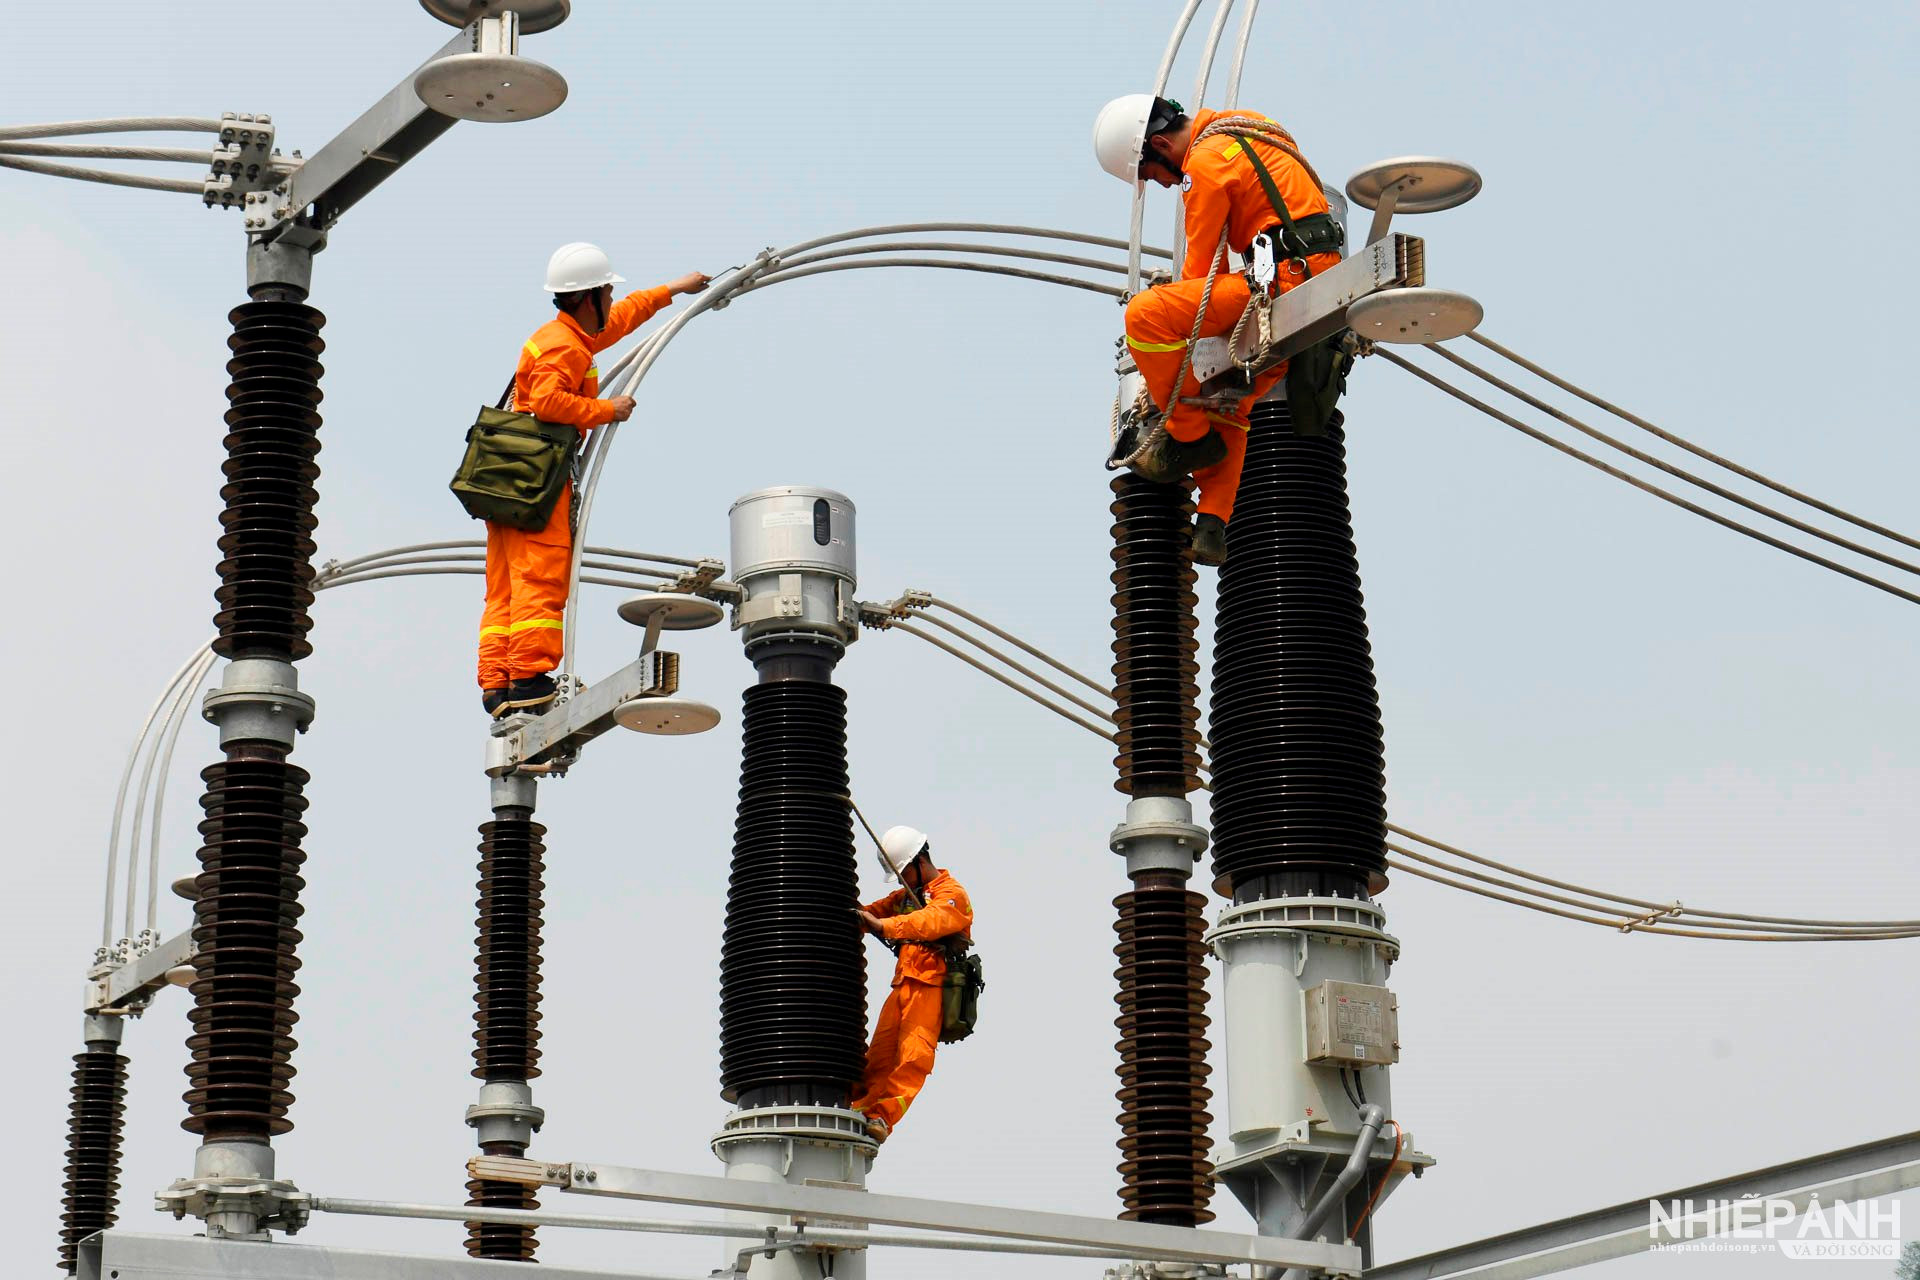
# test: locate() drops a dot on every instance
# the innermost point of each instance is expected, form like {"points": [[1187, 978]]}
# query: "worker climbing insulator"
{"points": [[1299, 799], [1166, 1176], [94, 1123], [506, 1034]]}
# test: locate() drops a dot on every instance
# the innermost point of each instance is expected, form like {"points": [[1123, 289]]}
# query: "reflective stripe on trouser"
{"points": [[901, 1055], [1159, 323], [522, 625]]}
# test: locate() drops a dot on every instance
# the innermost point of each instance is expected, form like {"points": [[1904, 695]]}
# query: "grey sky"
{"points": [[1693, 208]]}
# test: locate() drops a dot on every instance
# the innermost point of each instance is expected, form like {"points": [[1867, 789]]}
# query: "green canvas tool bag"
{"points": [[960, 996], [515, 466]]}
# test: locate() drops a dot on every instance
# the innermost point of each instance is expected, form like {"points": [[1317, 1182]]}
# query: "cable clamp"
{"points": [[1654, 917]]}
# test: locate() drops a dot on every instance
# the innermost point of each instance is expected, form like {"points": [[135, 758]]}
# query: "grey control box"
{"points": [[1352, 1024]]}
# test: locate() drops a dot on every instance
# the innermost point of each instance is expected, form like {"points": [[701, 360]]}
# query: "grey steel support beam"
{"points": [[1317, 309], [1863, 1172], [135, 983], [561, 732], [388, 134], [123, 1255], [859, 1207]]}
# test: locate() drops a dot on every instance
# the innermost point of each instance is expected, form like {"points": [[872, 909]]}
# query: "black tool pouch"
{"points": [[1316, 379]]}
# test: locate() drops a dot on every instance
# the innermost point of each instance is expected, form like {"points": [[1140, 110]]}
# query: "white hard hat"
{"points": [[1119, 132], [578, 266], [899, 846]]}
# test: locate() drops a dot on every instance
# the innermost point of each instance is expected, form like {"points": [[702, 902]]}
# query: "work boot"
{"points": [[1165, 460], [531, 691], [494, 701], [878, 1129], [1210, 541]]}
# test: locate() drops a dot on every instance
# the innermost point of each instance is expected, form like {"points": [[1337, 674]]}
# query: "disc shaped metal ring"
{"points": [[668, 716], [676, 610], [535, 15], [1431, 183], [490, 87], [1414, 315]]}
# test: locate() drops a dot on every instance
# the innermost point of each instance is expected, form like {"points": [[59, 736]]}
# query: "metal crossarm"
{"points": [[1317, 309], [1171, 1243], [366, 153], [134, 983], [1864, 1172]]}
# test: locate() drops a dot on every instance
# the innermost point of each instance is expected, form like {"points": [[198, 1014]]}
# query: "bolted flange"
{"points": [[237, 1207], [259, 700]]}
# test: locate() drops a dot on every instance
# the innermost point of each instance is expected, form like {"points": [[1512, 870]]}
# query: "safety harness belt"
{"points": [[1299, 238], [1316, 377]]}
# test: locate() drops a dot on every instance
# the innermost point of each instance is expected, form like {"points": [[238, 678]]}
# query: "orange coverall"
{"points": [[1221, 187], [901, 1055], [521, 628]]}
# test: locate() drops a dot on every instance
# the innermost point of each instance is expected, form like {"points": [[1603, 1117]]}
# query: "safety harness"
{"points": [[1316, 377], [965, 978]]}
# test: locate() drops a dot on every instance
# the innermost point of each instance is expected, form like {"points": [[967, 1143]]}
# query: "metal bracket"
{"points": [[1316, 310], [270, 1202], [562, 731], [701, 579], [364, 154], [131, 986], [763, 262], [245, 161], [880, 615]]}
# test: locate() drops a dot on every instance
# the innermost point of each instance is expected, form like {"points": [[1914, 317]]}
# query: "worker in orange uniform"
{"points": [[1142, 138], [522, 626], [928, 909]]}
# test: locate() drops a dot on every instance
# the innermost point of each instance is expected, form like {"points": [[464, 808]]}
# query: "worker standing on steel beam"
{"points": [[928, 920], [522, 626], [1231, 195]]}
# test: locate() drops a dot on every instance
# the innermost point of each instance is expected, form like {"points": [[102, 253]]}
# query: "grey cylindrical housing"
{"points": [[792, 552], [792, 527]]}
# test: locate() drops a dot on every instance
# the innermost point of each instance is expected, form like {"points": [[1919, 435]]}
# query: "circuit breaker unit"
{"points": [[1352, 1024]]}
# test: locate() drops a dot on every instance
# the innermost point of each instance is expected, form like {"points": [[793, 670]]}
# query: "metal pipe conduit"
{"points": [[857, 1239]]}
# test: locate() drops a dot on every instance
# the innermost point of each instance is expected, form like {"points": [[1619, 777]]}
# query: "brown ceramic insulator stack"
{"points": [[501, 1241], [1163, 1052], [1166, 1176], [244, 939], [93, 1147], [266, 541], [506, 1017], [249, 884]]}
